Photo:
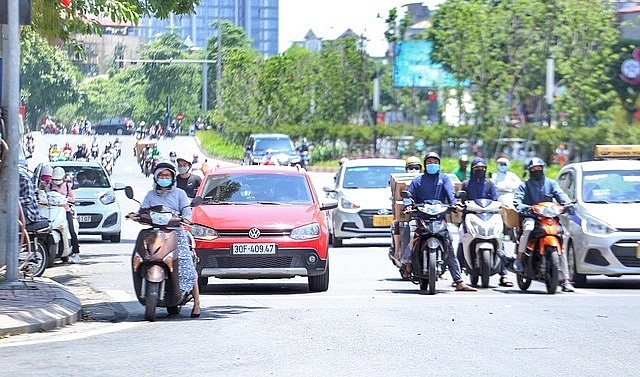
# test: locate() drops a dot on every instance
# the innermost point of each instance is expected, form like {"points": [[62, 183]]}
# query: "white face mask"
{"points": [[57, 181], [183, 169]]}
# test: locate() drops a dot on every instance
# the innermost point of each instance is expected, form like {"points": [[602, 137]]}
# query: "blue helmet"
{"points": [[478, 161], [535, 161]]}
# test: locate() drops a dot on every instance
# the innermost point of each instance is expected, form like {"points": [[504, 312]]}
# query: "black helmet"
{"points": [[172, 154], [431, 155], [535, 161]]}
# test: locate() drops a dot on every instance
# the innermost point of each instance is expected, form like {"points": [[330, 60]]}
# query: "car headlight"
{"points": [[593, 226], [108, 198], [344, 203], [306, 232], [203, 232]]}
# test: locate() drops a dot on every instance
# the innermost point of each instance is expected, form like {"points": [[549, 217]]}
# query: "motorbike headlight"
{"points": [[306, 232], [593, 226], [203, 232], [344, 203], [108, 198]]}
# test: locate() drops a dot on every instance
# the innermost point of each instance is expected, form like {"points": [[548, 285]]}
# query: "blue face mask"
{"points": [[164, 182], [503, 168], [432, 168]]}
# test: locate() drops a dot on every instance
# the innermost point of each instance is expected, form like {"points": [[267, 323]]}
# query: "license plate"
{"points": [[84, 219], [253, 248], [638, 250], [382, 220]]}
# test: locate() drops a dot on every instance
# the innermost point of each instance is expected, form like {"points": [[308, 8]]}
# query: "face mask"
{"points": [[433, 168], [183, 169], [479, 174], [45, 178], [164, 182], [173, 159], [503, 168], [57, 181], [537, 175]]}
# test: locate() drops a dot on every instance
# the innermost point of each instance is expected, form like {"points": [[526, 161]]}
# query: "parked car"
{"points": [[260, 147], [603, 237], [114, 126], [96, 207], [364, 199], [261, 222]]}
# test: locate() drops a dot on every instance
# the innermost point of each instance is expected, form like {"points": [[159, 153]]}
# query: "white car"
{"points": [[364, 199], [603, 237], [96, 208]]}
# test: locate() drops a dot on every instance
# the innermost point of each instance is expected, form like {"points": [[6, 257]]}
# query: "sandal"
{"points": [[505, 282], [405, 271]]}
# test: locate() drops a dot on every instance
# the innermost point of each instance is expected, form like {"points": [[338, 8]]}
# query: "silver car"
{"points": [[603, 237], [364, 199]]}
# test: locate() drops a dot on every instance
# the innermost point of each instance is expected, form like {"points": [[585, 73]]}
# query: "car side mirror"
{"points": [[128, 191], [196, 201], [330, 204]]}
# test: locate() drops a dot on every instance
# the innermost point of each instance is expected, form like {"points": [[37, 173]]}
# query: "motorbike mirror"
{"points": [[461, 195], [196, 201], [405, 194], [128, 191], [328, 189]]}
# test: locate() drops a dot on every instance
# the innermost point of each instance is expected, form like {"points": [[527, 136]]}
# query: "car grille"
{"points": [[245, 233], [84, 203], [625, 251], [253, 261], [367, 217]]}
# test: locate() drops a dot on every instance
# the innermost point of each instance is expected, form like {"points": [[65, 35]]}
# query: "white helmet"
{"points": [[503, 160]]}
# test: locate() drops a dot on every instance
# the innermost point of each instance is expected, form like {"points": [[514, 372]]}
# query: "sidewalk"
{"points": [[41, 304]]}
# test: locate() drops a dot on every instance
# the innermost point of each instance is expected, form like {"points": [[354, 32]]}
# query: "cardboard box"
{"points": [[510, 216], [399, 182]]}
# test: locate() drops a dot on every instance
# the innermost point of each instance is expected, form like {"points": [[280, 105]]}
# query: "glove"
{"points": [[570, 209]]}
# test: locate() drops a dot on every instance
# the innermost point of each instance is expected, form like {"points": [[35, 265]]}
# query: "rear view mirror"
{"points": [[128, 191]]}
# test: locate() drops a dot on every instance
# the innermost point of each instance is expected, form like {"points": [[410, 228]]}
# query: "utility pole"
{"points": [[219, 65]]}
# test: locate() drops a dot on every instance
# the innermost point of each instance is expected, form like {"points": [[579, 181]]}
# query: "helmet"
{"points": [[183, 159], [463, 158], [413, 160], [46, 170], [503, 160], [58, 173], [478, 161], [431, 155], [535, 161], [164, 165], [172, 154]]}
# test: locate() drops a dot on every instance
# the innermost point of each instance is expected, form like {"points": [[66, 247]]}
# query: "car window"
{"points": [[611, 186], [369, 176], [567, 184], [276, 144], [246, 188], [95, 176]]}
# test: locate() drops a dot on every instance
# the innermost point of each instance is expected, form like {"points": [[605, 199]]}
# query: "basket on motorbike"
{"points": [[510, 216], [141, 145]]}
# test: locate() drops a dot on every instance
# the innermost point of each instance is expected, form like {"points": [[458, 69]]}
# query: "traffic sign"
{"points": [[180, 116]]}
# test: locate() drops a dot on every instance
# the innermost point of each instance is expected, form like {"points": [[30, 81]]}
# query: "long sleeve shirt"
{"points": [[533, 192], [174, 200], [431, 187]]}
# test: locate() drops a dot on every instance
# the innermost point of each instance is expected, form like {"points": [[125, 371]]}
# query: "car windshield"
{"points": [[87, 176], [611, 186], [369, 176], [280, 144], [259, 187]]}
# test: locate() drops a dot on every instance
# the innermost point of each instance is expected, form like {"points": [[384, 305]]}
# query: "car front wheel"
{"points": [[319, 283]]}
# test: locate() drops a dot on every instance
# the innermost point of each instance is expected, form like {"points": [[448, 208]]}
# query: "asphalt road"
{"points": [[369, 322]]}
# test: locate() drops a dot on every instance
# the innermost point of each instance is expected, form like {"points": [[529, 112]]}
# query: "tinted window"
{"points": [[369, 176], [244, 188], [277, 144], [611, 186], [95, 176]]}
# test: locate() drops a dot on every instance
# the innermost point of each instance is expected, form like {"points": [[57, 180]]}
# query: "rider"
{"points": [[29, 200], [478, 187], [155, 152], [67, 147], [461, 170], [63, 187], [185, 180], [534, 190], [165, 195], [400, 229], [433, 185], [172, 156], [81, 152]]}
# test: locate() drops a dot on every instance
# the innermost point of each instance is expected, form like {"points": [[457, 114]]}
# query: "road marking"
{"points": [[78, 331]]}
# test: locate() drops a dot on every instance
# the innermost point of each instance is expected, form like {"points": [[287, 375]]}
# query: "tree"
{"points": [[49, 79]]}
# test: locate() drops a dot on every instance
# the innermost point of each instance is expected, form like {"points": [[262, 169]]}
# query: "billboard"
{"points": [[412, 67]]}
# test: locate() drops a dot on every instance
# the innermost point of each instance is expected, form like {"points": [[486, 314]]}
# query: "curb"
{"points": [[36, 305]]}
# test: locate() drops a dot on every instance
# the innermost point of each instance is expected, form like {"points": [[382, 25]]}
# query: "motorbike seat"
{"points": [[37, 226]]}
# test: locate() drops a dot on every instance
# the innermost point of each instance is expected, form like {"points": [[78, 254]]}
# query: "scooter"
{"points": [[155, 261], [482, 238], [58, 242], [107, 162], [33, 256], [430, 242], [505, 196], [95, 150], [544, 247], [304, 160]]}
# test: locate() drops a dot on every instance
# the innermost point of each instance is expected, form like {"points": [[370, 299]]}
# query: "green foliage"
{"points": [[217, 145]]}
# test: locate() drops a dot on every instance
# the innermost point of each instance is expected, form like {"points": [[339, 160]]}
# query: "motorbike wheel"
{"points": [[429, 284], [552, 269], [151, 301], [485, 267], [579, 280], [38, 259], [523, 282]]}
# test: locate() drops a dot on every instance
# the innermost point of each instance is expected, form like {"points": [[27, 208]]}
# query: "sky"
{"points": [[330, 18]]}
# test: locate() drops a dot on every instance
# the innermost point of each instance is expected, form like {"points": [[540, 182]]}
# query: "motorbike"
{"points": [[304, 160], [35, 253], [31, 146], [505, 196], [148, 166], [544, 247], [66, 155], [155, 261], [58, 241], [116, 147], [107, 163], [482, 238], [431, 241], [95, 150]]}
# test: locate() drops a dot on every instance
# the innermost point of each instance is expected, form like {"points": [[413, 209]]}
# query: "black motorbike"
{"points": [[431, 242]]}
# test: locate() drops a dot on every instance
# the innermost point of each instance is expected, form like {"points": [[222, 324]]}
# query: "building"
{"points": [[259, 18]]}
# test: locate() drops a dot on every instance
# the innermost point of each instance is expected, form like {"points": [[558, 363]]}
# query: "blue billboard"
{"points": [[412, 67]]}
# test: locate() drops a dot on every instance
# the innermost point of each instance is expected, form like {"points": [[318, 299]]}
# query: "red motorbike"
{"points": [[544, 247]]}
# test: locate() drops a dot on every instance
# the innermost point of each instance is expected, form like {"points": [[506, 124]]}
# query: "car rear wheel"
{"points": [[319, 283], [119, 131]]}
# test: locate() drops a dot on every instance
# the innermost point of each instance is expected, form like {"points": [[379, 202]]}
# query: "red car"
{"points": [[258, 222]]}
